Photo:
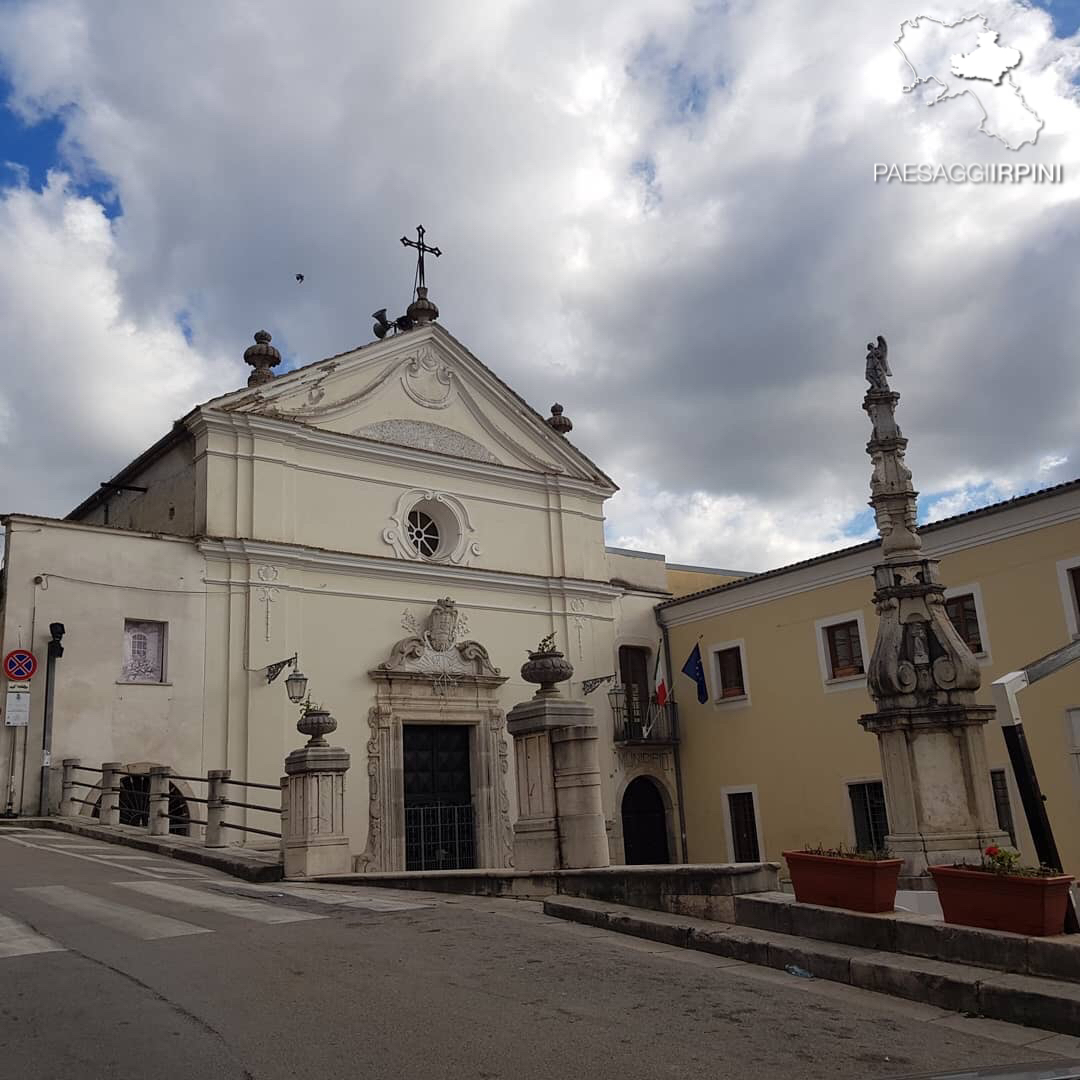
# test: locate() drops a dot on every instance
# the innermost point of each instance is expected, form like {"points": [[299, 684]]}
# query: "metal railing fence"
{"points": [[149, 800]]}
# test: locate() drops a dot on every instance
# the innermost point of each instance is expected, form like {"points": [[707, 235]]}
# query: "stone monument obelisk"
{"points": [[922, 676]]}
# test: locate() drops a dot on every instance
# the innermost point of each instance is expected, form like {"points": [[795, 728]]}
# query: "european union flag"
{"points": [[696, 670]]}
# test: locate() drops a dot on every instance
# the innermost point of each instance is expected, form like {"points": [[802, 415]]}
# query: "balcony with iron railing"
{"points": [[641, 722]]}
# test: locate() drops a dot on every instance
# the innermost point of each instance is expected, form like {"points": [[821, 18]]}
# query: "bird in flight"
{"points": [[299, 279]]}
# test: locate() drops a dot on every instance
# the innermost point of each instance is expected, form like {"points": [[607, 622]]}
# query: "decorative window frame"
{"points": [[844, 682], [456, 532], [1068, 598], [729, 840], [164, 679], [983, 656], [717, 682]]}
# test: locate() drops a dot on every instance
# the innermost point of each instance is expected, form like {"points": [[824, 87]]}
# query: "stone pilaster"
{"points": [[560, 821], [314, 840], [922, 675]]}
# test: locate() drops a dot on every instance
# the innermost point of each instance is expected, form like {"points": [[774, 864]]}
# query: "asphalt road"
{"points": [[121, 965]]}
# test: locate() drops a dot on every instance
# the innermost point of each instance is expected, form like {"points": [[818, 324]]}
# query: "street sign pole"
{"points": [[56, 650]]}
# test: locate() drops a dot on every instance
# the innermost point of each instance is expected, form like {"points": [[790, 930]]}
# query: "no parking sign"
{"points": [[20, 664]]}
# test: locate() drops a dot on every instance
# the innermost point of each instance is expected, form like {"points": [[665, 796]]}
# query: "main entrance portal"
{"points": [[438, 797], [645, 836]]}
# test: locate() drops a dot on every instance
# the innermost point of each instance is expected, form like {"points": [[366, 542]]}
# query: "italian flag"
{"points": [[658, 677]]}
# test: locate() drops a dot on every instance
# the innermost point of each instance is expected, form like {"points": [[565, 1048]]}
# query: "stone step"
{"points": [[1035, 1001], [914, 935]]}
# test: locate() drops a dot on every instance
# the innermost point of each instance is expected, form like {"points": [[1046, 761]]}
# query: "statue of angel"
{"points": [[877, 365]]}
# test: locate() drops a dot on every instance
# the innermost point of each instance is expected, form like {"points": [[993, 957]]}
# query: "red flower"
{"points": [[993, 850]]}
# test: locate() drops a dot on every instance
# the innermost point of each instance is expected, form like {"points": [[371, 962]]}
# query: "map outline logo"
{"points": [[987, 46]]}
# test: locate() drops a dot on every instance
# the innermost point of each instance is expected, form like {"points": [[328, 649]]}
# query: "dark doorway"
{"points": [[438, 798], [645, 837], [134, 804]]}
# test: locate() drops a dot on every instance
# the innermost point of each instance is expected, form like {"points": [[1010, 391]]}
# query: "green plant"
{"points": [[844, 852], [547, 645], [307, 705], [999, 860]]}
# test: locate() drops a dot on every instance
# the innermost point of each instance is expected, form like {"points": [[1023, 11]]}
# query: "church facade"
{"points": [[406, 527]]}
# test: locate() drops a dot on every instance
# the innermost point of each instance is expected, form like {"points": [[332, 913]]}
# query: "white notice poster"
{"points": [[17, 708]]}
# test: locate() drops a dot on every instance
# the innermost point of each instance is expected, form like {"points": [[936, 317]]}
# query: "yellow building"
{"points": [[775, 757]]}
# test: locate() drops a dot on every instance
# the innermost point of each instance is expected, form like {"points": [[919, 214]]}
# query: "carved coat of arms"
{"points": [[438, 647]]}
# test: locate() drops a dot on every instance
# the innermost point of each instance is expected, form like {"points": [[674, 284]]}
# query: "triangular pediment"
{"points": [[422, 390]]}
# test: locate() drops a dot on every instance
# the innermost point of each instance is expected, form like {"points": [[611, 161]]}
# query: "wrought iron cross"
{"points": [[421, 249]]}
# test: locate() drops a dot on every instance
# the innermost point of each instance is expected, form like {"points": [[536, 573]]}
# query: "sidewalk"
{"points": [[1035, 1001], [245, 863]]}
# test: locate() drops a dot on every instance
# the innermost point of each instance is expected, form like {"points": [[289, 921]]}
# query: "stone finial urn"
{"points": [[546, 666], [316, 723]]}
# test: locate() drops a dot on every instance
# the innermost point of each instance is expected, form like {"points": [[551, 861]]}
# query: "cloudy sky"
{"points": [[662, 214]]}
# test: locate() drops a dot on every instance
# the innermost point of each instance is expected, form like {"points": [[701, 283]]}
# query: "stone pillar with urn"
{"points": [[922, 676], [560, 821], [313, 830]]}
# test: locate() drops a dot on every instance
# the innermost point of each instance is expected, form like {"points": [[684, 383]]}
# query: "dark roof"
{"points": [[934, 526]]}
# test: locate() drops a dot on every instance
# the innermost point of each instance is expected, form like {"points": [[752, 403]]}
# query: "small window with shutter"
{"points": [[965, 617], [144, 651], [729, 667], [845, 649]]}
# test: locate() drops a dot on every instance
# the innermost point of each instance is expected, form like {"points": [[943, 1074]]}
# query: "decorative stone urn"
{"points": [[316, 723], [546, 666]]}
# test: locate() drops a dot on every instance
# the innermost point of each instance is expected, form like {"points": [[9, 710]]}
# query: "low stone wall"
{"points": [[703, 891]]}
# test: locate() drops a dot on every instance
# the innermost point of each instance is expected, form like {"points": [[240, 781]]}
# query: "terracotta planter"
{"points": [[1034, 906], [855, 884]]}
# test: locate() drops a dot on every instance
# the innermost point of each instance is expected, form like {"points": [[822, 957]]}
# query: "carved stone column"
{"points": [[560, 821], [314, 840], [922, 675]]}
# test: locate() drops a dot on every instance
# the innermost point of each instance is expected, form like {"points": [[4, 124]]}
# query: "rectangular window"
{"points": [[869, 814], [634, 674], [729, 665], [1001, 803], [744, 839], [845, 649], [963, 615], [144, 651]]}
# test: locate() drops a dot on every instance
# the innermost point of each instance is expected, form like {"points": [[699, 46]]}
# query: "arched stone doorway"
{"points": [[644, 821]]}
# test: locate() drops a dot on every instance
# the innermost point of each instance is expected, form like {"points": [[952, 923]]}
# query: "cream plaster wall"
{"points": [[799, 741], [91, 580]]}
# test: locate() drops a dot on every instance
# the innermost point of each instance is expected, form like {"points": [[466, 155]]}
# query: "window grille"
{"points": [[871, 818], [1000, 785], [423, 532]]}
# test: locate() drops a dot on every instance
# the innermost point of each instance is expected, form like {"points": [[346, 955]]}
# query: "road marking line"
{"points": [[128, 920], [17, 939], [339, 899], [253, 910], [86, 858]]}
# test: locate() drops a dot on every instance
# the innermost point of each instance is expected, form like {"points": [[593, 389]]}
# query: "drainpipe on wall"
{"points": [[675, 731]]}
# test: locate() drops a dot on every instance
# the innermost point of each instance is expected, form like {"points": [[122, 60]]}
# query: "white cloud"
{"points": [[661, 214], [86, 387]]}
